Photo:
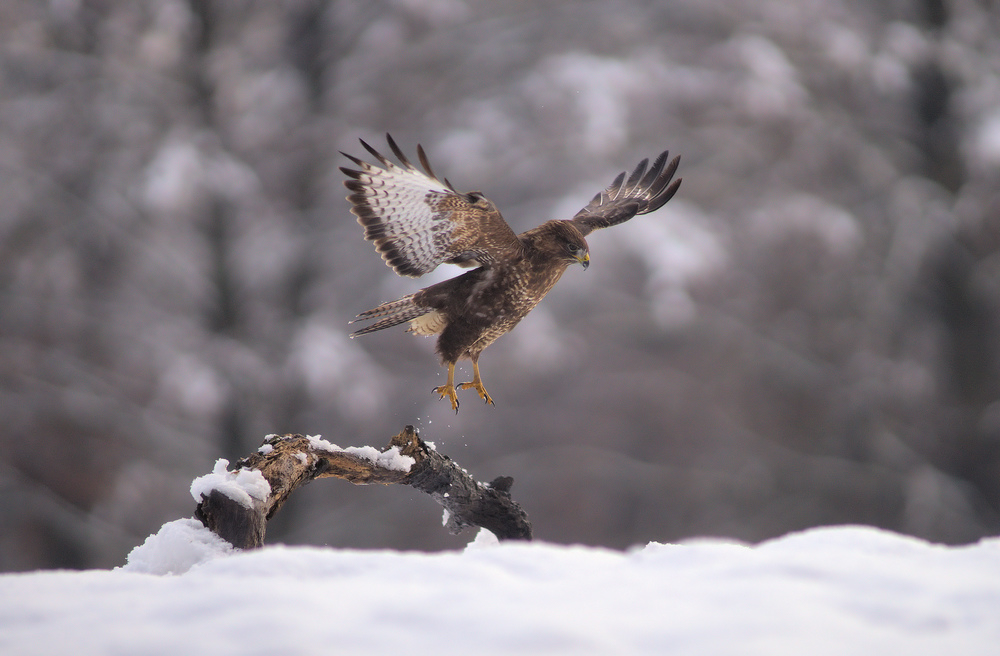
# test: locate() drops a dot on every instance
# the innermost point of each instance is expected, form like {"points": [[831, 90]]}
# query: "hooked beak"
{"points": [[584, 260]]}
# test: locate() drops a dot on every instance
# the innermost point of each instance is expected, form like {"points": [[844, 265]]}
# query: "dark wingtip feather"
{"points": [[672, 167], [665, 195], [654, 171], [397, 151], [661, 182], [377, 155], [646, 190], [358, 188], [353, 159], [637, 174], [424, 162], [616, 186]]}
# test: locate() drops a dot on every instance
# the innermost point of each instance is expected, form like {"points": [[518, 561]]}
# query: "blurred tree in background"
{"points": [[808, 334]]}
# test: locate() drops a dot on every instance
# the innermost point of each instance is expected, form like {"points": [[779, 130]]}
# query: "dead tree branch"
{"points": [[289, 461]]}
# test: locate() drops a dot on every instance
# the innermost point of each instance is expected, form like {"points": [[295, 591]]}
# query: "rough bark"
{"points": [[289, 461]]}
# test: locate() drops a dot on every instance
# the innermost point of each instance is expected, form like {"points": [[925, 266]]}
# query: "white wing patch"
{"points": [[416, 221], [398, 205], [402, 203]]}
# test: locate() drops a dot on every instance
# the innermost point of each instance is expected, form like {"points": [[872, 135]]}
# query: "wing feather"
{"points": [[416, 221], [645, 190]]}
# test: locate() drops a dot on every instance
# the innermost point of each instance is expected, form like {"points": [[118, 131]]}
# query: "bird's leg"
{"points": [[448, 389], [477, 383]]}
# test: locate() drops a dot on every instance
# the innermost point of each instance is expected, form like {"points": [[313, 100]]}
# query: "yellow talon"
{"points": [[483, 394], [477, 384], [448, 389]]}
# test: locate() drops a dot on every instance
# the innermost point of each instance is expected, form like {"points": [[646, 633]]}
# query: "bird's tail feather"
{"points": [[390, 314]]}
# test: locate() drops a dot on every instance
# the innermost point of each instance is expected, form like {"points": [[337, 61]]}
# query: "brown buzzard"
{"points": [[416, 222]]}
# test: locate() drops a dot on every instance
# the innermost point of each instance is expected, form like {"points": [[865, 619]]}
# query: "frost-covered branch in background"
{"points": [[237, 504]]}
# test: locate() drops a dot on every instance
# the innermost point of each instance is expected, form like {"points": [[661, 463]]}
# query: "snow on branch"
{"points": [[237, 504]]}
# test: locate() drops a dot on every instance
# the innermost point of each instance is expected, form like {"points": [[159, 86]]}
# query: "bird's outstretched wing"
{"points": [[643, 192], [416, 221]]}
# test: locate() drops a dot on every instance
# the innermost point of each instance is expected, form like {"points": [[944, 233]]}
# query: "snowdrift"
{"points": [[842, 590]]}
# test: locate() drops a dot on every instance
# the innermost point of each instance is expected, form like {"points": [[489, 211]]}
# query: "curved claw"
{"points": [[478, 386], [449, 391]]}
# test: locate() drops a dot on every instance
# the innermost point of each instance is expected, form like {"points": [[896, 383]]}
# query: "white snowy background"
{"points": [[841, 590], [807, 335]]}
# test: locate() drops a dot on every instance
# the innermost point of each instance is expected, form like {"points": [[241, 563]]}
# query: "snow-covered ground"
{"points": [[842, 590]]}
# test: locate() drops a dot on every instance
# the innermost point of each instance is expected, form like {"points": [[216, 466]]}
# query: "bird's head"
{"points": [[579, 252], [566, 243]]}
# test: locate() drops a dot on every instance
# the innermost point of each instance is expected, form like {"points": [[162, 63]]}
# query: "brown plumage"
{"points": [[416, 222]]}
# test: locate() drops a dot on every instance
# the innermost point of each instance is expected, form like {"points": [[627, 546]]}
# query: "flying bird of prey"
{"points": [[416, 222]]}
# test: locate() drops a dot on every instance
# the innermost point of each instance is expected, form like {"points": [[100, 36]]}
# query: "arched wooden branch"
{"points": [[289, 461]]}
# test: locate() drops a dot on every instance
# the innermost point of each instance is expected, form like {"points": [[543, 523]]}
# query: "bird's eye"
{"points": [[573, 249]]}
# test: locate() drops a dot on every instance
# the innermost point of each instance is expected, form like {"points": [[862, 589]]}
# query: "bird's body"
{"points": [[418, 223]]}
